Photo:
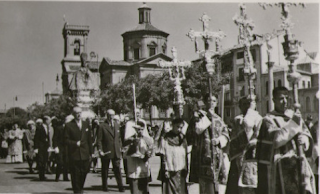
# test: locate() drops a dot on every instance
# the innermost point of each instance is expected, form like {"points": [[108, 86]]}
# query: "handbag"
{"points": [[4, 144]]}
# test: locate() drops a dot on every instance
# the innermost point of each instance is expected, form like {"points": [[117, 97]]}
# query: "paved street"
{"points": [[15, 178]]}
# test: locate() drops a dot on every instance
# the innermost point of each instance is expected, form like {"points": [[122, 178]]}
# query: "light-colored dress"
{"points": [[15, 147]]}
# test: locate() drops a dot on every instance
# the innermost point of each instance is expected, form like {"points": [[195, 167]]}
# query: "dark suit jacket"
{"points": [[109, 140], [58, 137], [72, 135], [41, 139]]}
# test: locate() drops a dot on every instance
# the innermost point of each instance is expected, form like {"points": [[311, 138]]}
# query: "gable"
{"points": [[154, 60]]}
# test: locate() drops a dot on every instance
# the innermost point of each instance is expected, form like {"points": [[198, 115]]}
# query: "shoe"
{"points": [[121, 190], [66, 180], [43, 179]]}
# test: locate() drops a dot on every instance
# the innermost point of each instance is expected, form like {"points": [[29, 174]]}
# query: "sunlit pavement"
{"points": [[15, 178]]}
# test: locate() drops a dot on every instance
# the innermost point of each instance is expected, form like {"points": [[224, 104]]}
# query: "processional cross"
{"points": [[291, 52], [207, 36], [176, 72], [246, 26]]}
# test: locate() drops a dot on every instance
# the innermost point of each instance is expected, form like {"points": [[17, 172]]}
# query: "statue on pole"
{"points": [[84, 86], [176, 73]]}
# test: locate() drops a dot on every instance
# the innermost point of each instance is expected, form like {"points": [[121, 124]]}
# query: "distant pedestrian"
{"points": [[95, 156], [79, 143], [15, 145], [29, 135], [4, 143], [59, 148], [41, 146]]}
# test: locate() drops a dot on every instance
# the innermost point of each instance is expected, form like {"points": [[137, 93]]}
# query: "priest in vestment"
{"points": [[207, 132], [280, 169]]}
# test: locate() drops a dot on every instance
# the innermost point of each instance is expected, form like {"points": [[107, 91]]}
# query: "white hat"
{"points": [[69, 118], [30, 122], [111, 112], [39, 121], [116, 117]]}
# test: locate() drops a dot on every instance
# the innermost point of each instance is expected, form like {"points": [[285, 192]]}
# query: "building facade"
{"points": [[307, 66]]}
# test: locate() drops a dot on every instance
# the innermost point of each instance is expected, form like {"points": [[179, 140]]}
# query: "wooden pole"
{"points": [[134, 102]]}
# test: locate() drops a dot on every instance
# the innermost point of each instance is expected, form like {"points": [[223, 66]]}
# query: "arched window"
{"points": [[308, 105], [267, 106], [279, 83], [309, 84], [303, 84], [267, 87], [152, 48], [76, 50]]}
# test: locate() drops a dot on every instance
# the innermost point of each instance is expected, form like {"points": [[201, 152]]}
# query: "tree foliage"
{"points": [[158, 90], [59, 108]]}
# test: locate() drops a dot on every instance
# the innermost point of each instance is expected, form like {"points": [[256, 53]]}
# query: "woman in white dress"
{"points": [[15, 145]]}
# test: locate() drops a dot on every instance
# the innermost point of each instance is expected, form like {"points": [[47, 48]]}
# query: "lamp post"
{"points": [[176, 72]]}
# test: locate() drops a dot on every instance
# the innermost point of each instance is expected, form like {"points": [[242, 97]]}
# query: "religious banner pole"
{"points": [[176, 73], [134, 102], [245, 37], [291, 52], [207, 55], [270, 73]]}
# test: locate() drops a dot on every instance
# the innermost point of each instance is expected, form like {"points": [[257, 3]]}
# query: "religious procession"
{"points": [[269, 151]]}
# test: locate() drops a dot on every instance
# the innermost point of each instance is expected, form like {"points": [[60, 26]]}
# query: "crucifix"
{"points": [[291, 53], [207, 54], [246, 26], [176, 73]]}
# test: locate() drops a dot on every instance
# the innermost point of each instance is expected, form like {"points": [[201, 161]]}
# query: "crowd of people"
{"points": [[277, 153]]}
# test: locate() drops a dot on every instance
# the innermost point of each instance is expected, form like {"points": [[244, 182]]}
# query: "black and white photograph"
{"points": [[159, 97]]}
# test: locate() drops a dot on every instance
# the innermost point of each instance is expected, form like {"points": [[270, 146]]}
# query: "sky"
{"points": [[31, 41]]}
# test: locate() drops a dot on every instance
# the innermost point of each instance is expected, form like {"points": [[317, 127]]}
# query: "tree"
{"points": [[155, 90], [59, 108], [119, 96]]}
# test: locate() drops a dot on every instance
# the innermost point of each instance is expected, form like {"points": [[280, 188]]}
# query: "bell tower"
{"points": [[75, 42]]}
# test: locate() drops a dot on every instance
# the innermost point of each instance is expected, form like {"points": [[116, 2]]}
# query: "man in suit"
{"points": [[109, 146], [41, 146], [79, 144]]}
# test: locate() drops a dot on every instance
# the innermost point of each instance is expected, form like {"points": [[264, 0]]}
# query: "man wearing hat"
{"points": [[79, 146], [28, 139], [41, 146], [109, 146]]}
